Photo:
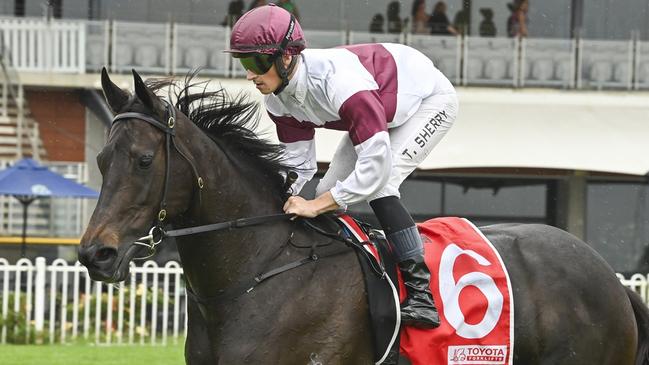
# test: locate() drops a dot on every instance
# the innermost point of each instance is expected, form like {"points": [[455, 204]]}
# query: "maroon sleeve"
{"points": [[290, 130], [364, 115]]}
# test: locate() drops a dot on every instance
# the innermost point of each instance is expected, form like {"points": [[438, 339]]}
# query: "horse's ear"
{"points": [[145, 94], [115, 96]]}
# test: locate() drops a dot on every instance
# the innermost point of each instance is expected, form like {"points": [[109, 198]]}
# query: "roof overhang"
{"points": [[604, 132]]}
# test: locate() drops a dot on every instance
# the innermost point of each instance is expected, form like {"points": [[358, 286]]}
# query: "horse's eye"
{"points": [[145, 161]]}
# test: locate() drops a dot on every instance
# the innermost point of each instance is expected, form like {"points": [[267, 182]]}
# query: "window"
{"points": [[617, 224], [482, 200]]}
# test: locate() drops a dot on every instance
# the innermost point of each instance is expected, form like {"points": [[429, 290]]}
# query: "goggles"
{"points": [[258, 64]]}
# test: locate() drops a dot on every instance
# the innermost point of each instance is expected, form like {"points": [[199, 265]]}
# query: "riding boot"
{"points": [[418, 310]]}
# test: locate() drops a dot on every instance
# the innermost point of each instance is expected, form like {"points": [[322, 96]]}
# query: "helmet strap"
{"points": [[284, 72]]}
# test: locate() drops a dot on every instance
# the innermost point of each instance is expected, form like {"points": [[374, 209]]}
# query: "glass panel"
{"points": [[444, 51], [508, 202], [491, 61], [201, 46], [548, 62], [617, 224], [642, 65], [480, 12], [549, 18], [611, 19], [606, 64], [142, 46], [96, 45], [324, 38], [422, 198]]}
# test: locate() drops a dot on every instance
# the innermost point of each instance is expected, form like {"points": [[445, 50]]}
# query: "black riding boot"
{"points": [[418, 310]]}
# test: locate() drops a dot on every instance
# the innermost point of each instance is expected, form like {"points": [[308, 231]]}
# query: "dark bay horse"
{"points": [[570, 309]]}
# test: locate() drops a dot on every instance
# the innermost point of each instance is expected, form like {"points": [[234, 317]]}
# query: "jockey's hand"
{"points": [[310, 208]]}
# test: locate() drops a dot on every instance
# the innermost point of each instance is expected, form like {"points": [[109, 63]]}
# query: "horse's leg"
{"points": [[197, 346]]}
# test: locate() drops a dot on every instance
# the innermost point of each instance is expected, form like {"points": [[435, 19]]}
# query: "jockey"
{"points": [[394, 104]]}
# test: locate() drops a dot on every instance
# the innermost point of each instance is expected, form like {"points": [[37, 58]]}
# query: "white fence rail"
{"points": [[37, 45], [59, 303]]}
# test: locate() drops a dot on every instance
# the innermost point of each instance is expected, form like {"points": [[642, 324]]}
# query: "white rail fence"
{"points": [[59, 303]]}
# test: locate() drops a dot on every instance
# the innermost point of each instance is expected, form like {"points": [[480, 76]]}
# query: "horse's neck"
{"points": [[219, 260]]}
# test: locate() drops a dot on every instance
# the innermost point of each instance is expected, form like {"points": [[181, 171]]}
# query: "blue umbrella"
{"points": [[26, 180]]}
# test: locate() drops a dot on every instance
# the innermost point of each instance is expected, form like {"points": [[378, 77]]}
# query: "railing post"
{"points": [[19, 121], [39, 299], [5, 99], [34, 137], [81, 48]]}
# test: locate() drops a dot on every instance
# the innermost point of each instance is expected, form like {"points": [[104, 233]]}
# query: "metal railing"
{"points": [[59, 303], [170, 48], [12, 94]]}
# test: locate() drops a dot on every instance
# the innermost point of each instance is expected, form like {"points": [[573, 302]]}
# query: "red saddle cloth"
{"points": [[473, 295]]}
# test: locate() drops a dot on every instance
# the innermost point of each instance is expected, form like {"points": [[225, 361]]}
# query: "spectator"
{"points": [[517, 22], [487, 26], [461, 22], [439, 23], [256, 3], [395, 24], [376, 25], [235, 10], [289, 6], [419, 17]]}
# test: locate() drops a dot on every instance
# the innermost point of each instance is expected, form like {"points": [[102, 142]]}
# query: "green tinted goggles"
{"points": [[258, 64]]}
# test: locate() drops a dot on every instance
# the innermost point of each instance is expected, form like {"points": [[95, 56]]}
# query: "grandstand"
{"points": [[552, 128]]}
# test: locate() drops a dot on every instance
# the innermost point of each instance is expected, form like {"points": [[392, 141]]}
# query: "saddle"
{"points": [[379, 268]]}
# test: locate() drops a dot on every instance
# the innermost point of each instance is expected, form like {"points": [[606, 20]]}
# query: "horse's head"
{"points": [[134, 165]]}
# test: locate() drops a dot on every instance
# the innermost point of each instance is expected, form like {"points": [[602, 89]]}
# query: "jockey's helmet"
{"points": [[268, 30]]}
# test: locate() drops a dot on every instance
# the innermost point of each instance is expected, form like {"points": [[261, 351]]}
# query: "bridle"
{"points": [[157, 232]]}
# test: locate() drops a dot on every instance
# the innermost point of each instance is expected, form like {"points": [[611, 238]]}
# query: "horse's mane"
{"points": [[228, 120]]}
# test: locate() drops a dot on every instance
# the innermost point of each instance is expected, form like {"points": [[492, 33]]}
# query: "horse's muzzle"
{"points": [[99, 259]]}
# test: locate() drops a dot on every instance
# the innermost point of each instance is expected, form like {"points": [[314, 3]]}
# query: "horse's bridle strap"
{"points": [[143, 117], [237, 223]]}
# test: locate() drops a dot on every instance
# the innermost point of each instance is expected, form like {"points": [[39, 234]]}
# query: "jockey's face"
{"points": [[270, 81]]}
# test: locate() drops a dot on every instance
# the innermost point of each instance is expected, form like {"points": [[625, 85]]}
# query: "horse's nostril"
{"points": [[105, 254]]}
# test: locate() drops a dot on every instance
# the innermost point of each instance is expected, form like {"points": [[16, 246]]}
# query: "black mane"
{"points": [[229, 121]]}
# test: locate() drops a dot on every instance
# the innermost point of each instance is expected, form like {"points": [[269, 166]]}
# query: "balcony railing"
{"points": [[173, 48]]}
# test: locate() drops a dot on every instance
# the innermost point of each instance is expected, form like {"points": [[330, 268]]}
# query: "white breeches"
{"points": [[410, 142]]}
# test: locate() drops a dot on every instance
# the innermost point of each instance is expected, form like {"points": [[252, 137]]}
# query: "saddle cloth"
{"points": [[470, 287]]}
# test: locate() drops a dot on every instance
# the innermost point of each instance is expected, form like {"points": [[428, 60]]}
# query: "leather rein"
{"points": [[157, 233]]}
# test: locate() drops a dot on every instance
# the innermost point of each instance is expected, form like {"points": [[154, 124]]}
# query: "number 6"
{"points": [[450, 292]]}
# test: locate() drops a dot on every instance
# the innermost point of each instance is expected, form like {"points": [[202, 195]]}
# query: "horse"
{"points": [[199, 163]]}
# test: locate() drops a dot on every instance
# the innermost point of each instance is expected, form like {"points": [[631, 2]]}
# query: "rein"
{"points": [[157, 233]]}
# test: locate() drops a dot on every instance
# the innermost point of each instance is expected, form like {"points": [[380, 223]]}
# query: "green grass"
{"points": [[86, 354]]}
